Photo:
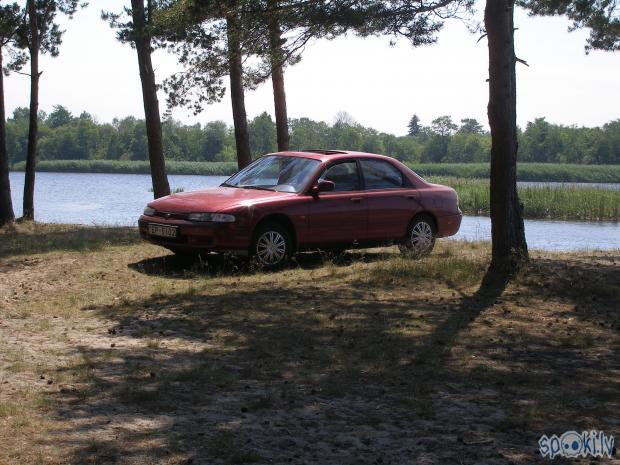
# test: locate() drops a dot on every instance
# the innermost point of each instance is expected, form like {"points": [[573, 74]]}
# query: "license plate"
{"points": [[163, 231]]}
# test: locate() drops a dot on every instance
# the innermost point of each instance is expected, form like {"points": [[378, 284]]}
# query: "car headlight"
{"points": [[148, 211], [212, 217]]}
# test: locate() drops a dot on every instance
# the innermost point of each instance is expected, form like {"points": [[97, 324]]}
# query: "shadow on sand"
{"points": [[340, 374]]}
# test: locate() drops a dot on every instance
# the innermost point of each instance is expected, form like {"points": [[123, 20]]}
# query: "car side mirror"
{"points": [[323, 186]]}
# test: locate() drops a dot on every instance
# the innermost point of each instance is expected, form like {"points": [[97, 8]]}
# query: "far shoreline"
{"points": [[527, 172]]}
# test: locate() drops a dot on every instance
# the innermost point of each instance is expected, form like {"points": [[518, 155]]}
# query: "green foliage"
{"points": [[414, 126], [443, 126], [471, 126], [67, 137], [50, 34], [11, 23], [133, 167], [262, 135]]}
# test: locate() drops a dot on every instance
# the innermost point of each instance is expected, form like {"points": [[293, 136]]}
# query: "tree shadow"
{"points": [[326, 374], [215, 264]]}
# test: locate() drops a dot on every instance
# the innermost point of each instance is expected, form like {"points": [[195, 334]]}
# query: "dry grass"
{"points": [[112, 351]]}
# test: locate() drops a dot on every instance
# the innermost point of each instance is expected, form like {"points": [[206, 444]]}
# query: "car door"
{"points": [[391, 200], [339, 216]]}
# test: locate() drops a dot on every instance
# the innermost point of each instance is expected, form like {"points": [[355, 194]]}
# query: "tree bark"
{"points": [[509, 247], [142, 41], [242, 138], [277, 78], [7, 215], [31, 154]]}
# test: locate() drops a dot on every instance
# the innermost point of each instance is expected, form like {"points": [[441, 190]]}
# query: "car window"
{"points": [[344, 176], [271, 172], [379, 174]]}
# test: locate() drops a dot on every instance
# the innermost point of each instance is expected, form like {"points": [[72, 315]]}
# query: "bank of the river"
{"points": [[542, 172], [114, 351]]}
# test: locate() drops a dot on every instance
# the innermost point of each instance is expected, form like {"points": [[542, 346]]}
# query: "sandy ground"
{"points": [[123, 354]]}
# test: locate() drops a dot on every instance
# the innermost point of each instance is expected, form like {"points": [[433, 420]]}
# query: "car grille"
{"points": [[170, 215]]}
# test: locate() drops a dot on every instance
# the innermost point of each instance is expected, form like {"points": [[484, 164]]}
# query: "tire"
{"points": [[272, 246], [420, 239]]}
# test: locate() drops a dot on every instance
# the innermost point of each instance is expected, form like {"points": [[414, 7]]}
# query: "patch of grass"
{"points": [[30, 238], [9, 409], [17, 367], [458, 270], [578, 341]]}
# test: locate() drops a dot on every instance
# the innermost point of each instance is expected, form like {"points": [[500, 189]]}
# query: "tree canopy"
{"points": [[601, 17], [64, 135]]}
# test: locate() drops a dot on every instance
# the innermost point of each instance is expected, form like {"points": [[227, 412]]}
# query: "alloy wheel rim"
{"points": [[421, 236], [271, 248]]}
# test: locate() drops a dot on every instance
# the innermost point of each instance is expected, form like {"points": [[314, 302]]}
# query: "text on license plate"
{"points": [[163, 231]]}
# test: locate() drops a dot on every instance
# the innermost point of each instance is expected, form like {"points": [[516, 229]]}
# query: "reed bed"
{"points": [[552, 202]]}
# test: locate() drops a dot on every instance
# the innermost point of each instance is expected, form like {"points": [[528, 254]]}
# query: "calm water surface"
{"points": [[118, 200]]}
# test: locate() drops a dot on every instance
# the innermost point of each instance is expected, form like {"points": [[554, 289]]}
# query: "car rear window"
{"points": [[379, 174]]}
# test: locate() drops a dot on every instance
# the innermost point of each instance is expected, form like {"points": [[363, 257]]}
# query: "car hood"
{"points": [[214, 199]]}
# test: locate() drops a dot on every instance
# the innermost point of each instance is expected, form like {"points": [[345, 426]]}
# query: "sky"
{"points": [[379, 85]]}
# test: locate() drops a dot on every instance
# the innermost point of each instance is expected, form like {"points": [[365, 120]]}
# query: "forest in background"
{"points": [[64, 136]]}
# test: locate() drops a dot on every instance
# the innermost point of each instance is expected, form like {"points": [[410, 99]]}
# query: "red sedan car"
{"points": [[287, 202]]}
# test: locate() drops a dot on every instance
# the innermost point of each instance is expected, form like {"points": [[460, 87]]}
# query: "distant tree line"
{"points": [[64, 136]]}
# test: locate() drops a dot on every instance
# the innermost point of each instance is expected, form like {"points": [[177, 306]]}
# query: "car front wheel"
{"points": [[420, 238], [272, 246]]}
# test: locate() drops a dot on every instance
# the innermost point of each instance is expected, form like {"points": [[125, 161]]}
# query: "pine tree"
{"points": [[39, 34], [11, 17], [414, 126]]}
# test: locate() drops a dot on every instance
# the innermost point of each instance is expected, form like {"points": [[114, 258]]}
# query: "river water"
{"points": [[118, 200]]}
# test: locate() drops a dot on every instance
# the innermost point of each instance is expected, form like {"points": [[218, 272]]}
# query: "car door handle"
{"points": [[356, 199], [411, 196]]}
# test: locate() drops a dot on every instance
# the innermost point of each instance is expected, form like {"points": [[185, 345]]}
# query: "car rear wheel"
{"points": [[272, 246], [420, 238]]}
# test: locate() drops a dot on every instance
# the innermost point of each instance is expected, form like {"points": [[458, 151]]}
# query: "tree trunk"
{"points": [[242, 138], [277, 78], [31, 154], [6, 205], [507, 231], [142, 40]]}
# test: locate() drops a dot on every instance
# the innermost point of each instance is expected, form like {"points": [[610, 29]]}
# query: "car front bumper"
{"points": [[193, 236], [449, 225]]}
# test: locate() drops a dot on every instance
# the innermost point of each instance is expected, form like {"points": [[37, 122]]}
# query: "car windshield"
{"points": [[274, 172]]}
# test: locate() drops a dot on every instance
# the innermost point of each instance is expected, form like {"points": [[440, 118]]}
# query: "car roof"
{"points": [[328, 155]]}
